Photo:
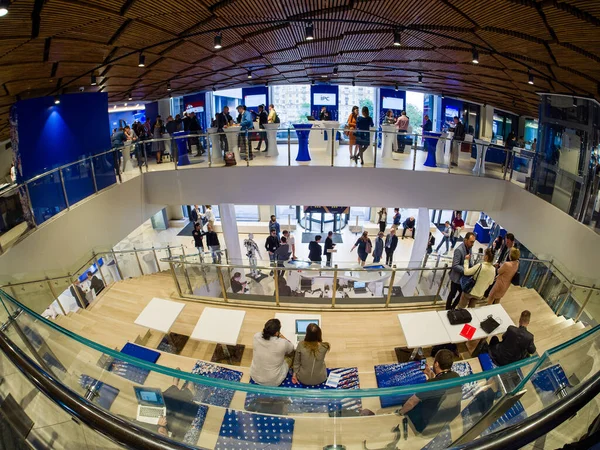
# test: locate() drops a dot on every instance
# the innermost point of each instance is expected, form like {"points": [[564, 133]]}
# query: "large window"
{"points": [[292, 103], [414, 110], [356, 95]]}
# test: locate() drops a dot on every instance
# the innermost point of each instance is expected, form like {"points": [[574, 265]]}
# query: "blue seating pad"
{"points": [[315, 405], [140, 352], [213, 395], [130, 371], [486, 362], [241, 430]]}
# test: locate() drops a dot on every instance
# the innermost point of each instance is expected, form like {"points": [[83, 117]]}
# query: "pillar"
{"points": [[264, 212], [230, 233], [410, 279], [486, 122], [174, 212]]}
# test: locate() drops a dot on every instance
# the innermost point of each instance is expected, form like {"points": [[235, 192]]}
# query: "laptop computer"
{"points": [[301, 325], [151, 405], [360, 288]]}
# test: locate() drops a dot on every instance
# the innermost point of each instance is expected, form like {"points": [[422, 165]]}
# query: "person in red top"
{"points": [[457, 225]]}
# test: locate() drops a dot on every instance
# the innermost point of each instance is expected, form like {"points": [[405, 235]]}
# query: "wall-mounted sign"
{"points": [[324, 99], [393, 103]]}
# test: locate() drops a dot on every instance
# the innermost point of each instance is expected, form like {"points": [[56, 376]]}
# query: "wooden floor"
{"points": [[360, 339]]}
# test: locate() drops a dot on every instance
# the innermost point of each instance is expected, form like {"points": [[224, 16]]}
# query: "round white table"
{"points": [[272, 138], [217, 153], [232, 140], [389, 136]]}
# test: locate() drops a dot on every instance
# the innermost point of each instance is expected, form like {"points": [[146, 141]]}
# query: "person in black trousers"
{"points": [[329, 245], [263, 118], [391, 242], [409, 224], [271, 245], [314, 250], [223, 120]]}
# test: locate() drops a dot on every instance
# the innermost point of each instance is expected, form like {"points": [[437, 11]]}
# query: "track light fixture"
{"points": [[397, 38], [420, 78], [168, 86], [475, 56], [574, 102], [396, 87], [530, 78], [312, 82], [249, 74], [335, 71], [214, 89], [57, 99], [218, 39], [142, 60], [129, 96], [442, 94], [308, 32], [353, 83], [93, 80], [4, 4]]}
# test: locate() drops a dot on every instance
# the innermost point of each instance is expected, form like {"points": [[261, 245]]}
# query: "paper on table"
{"points": [[333, 380], [468, 331]]}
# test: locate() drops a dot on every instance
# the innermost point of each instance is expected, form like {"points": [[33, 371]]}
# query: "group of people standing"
{"points": [[201, 219]]}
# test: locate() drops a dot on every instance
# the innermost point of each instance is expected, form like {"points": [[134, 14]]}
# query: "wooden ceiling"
{"points": [[51, 46]]}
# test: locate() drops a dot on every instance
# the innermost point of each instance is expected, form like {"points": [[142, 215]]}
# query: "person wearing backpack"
{"points": [[364, 247], [273, 117], [483, 274]]}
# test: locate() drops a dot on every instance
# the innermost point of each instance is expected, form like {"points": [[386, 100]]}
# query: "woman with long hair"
{"points": [[364, 247], [483, 273], [309, 360], [351, 136], [506, 272], [270, 365], [363, 138]]}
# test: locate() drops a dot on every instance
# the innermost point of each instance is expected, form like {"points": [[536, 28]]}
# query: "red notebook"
{"points": [[468, 331]]}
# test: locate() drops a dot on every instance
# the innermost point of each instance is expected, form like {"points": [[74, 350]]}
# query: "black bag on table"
{"points": [[459, 316]]}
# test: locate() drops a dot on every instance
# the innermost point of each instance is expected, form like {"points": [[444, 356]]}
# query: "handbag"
{"points": [[368, 247], [467, 282], [459, 316], [489, 324]]}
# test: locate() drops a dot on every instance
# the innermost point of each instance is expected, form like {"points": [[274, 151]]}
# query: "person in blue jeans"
{"points": [[446, 237], [364, 247], [246, 124], [378, 251], [397, 218]]}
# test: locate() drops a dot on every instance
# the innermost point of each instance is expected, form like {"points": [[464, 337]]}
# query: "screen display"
{"points": [[302, 324], [254, 100], [358, 285], [393, 103], [324, 99], [149, 396], [451, 113]]}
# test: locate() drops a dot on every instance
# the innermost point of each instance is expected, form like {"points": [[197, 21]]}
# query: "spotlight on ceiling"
{"points": [[93, 81], [397, 38], [353, 83], [125, 104], [324, 76], [168, 86], [442, 94], [142, 60], [312, 82], [396, 87], [249, 74], [530, 78], [57, 99], [420, 78], [218, 39], [129, 96], [335, 71], [574, 102], [475, 56], [309, 32], [4, 4]]}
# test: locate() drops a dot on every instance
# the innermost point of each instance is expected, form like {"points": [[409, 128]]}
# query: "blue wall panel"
{"points": [[327, 94], [152, 111], [53, 135], [390, 94]]}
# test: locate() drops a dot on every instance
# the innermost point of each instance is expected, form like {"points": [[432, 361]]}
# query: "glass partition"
{"points": [[47, 197], [79, 182], [15, 216]]}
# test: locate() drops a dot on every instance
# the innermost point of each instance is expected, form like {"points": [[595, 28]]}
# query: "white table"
{"points": [[272, 138], [220, 326], [389, 137], [316, 139], [160, 315], [423, 329], [482, 147], [215, 139], [288, 323], [454, 330]]}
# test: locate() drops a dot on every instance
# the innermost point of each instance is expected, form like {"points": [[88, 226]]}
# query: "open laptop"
{"points": [[301, 325], [360, 288], [151, 405]]}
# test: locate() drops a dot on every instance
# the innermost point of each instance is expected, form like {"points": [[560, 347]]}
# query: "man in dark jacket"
{"points": [[195, 128], [95, 283], [263, 118], [212, 241], [459, 136], [516, 344], [223, 120], [329, 245], [391, 242], [409, 224], [314, 250], [272, 244], [462, 252], [427, 125], [79, 294]]}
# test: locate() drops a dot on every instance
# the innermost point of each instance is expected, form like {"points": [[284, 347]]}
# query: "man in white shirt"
{"points": [[291, 240], [210, 216], [272, 355]]}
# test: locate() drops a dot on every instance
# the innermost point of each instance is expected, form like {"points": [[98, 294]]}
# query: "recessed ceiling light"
{"points": [[4, 4], [142, 60], [124, 104], [57, 99], [530, 78], [475, 56], [323, 76], [397, 38], [308, 32], [218, 39]]}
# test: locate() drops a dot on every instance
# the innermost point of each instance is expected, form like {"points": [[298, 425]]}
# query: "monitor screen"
{"points": [[393, 103], [252, 101], [324, 99], [148, 396], [358, 285], [302, 324]]}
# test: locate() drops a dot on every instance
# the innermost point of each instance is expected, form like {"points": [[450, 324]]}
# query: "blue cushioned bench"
{"points": [[214, 395], [129, 371], [242, 430], [486, 362]]}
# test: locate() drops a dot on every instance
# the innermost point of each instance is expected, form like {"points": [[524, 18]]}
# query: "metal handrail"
{"points": [[114, 428]]}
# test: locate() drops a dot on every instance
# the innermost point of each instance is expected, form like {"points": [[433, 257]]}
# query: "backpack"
{"points": [[369, 247], [276, 119]]}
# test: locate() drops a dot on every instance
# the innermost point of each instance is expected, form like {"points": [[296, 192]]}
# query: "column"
{"points": [[230, 233], [409, 281]]}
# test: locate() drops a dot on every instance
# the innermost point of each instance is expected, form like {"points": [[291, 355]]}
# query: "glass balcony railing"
{"points": [[209, 405]]}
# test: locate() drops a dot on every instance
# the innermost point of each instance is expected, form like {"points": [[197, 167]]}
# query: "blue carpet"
{"points": [[548, 381], [213, 395], [315, 405], [241, 430], [191, 437]]}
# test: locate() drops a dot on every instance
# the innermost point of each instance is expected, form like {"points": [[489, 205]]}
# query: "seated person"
{"points": [[409, 224], [270, 365], [517, 343], [284, 289], [237, 285], [95, 283], [438, 406], [309, 359]]}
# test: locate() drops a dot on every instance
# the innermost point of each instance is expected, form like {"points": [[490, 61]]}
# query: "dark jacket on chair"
{"points": [[517, 343]]}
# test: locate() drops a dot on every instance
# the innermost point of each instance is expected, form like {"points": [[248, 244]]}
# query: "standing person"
{"points": [[269, 363], [402, 126], [158, 146], [251, 252], [246, 124], [209, 215], [534, 145], [382, 219], [309, 359], [272, 118], [389, 118], [483, 273], [504, 255], [378, 250], [272, 244], [363, 138], [314, 250], [79, 294], [409, 224], [364, 247], [459, 136], [212, 241], [324, 114], [197, 234], [223, 121], [263, 118], [505, 275], [283, 252], [95, 283], [516, 344], [445, 237], [291, 240], [427, 125], [391, 242], [458, 268], [195, 128], [351, 126], [430, 243], [274, 225], [497, 244], [457, 225], [396, 219], [329, 245]]}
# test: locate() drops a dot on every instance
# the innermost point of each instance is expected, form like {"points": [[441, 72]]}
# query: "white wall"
{"points": [[6, 157], [60, 244]]}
